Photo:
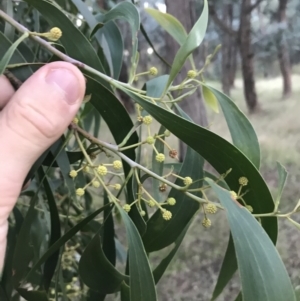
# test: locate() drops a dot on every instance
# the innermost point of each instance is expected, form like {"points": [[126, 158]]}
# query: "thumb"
{"points": [[35, 117]]}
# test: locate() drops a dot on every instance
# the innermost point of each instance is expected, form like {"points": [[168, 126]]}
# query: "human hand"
{"points": [[32, 119]]}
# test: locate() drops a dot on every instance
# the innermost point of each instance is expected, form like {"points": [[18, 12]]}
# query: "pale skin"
{"points": [[31, 119]]}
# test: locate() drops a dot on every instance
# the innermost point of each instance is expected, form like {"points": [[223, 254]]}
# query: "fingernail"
{"points": [[66, 81]]}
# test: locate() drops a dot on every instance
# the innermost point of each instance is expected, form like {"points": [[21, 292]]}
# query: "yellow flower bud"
{"points": [[127, 207], [96, 184], [150, 140], [211, 208], [102, 170], [117, 186], [167, 133], [147, 120], [187, 181], [80, 191], [54, 34], [191, 74], [249, 208], [86, 168], [151, 203], [117, 164], [73, 173], [167, 215], [243, 181], [153, 71], [171, 201], [206, 223], [233, 194], [160, 157]]}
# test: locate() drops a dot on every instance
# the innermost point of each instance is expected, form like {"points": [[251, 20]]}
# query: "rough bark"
{"points": [[233, 64], [283, 52], [227, 50], [247, 56], [193, 105]]}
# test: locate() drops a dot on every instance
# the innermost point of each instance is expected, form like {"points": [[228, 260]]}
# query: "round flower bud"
{"points": [[75, 120], [173, 153], [96, 184], [152, 203], [191, 74], [233, 194], [243, 181], [211, 208], [74, 279], [73, 173], [147, 120], [117, 164], [249, 208], [171, 201], [102, 170], [160, 157], [54, 34], [143, 213], [117, 186], [68, 287], [163, 187], [152, 71], [167, 133], [167, 215], [206, 223], [80, 191], [187, 181], [86, 168], [150, 140], [127, 207]]}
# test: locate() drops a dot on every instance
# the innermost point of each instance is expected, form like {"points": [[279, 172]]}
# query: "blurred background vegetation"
{"points": [[259, 67]]}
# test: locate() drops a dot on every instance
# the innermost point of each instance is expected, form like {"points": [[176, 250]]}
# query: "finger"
{"points": [[6, 91], [34, 118]]}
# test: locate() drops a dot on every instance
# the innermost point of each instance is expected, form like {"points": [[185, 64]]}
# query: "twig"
{"points": [[15, 82]]}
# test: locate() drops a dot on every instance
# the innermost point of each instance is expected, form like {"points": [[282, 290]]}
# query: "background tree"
{"points": [[229, 55], [185, 12], [243, 38], [283, 52]]}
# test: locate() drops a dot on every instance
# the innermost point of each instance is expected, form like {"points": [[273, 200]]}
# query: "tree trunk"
{"points": [[244, 42], [193, 105], [283, 53], [233, 64], [228, 63], [243, 38]]}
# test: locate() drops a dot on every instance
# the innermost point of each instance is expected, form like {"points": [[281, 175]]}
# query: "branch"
{"points": [[253, 6], [114, 148], [55, 51], [223, 26]]}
